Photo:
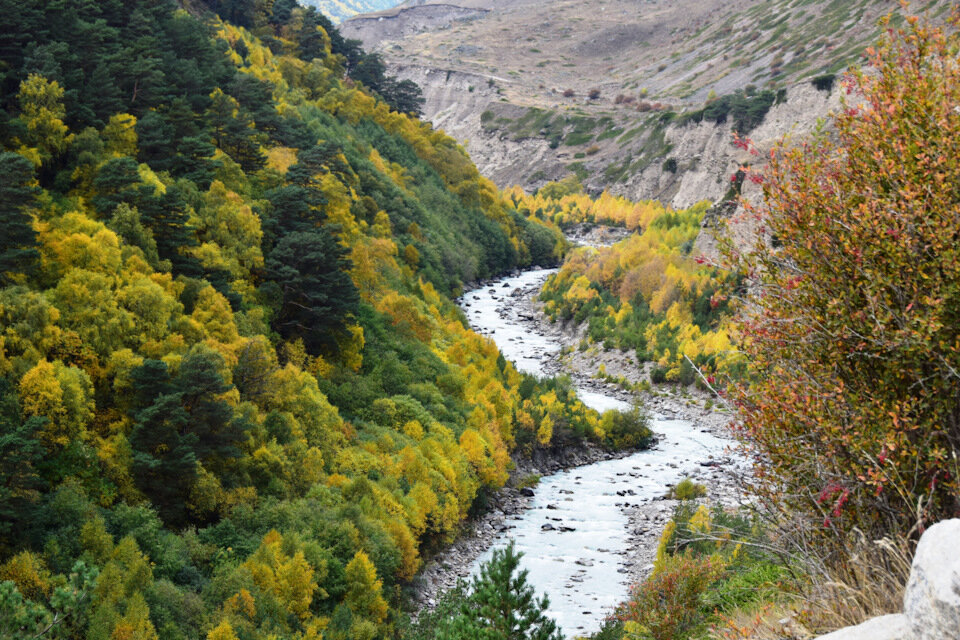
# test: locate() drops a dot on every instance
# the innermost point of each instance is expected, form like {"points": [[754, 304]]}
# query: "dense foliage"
{"points": [[709, 569], [852, 319], [646, 293], [236, 400]]}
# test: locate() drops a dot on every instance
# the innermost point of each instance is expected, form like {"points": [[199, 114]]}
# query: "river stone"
{"points": [[892, 627], [932, 599]]}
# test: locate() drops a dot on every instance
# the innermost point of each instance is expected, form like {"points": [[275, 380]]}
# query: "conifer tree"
{"points": [[318, 295], [502, 606], [18, 240]]}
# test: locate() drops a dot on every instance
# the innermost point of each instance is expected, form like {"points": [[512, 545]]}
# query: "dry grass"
{"points": [[870, 583]]}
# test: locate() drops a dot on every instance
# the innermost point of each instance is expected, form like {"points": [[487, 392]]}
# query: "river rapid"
{"points": [[579, 534]]}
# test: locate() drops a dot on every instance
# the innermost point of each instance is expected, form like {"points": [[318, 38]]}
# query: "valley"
{"points": [[590, 531], [310, 313]]}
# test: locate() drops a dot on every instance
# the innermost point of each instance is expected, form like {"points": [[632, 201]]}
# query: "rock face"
{"points": [[931, 602], [932, 599], [406, 21], [703, 154]]}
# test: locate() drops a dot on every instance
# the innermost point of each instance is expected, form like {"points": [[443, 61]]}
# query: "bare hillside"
{"points": [[339, 10], [614, 90]]}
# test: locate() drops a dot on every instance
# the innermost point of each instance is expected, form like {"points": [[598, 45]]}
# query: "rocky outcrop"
{"points": [[702, 155], [706, 156], [394, 24], [892, 627], [931, 602]]}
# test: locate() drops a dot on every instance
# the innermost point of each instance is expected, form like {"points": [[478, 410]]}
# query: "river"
{"points": [[575, 536]]}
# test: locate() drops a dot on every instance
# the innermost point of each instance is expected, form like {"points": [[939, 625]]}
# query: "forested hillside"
{"points": [[236, 400], [650, 295]]}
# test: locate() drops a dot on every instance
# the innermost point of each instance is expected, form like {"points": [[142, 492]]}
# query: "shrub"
{"points": [[853, 325], [627, 429], [668, 605], [435, 623], [824, 82], [594, 93], [658, 374], [687, 489], [747, 110], [670, 165], [528, 481], [568, 93]]}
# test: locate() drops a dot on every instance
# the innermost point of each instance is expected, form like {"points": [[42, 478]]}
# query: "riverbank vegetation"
{"points": [[849, 335], [236, 399], [647, 294]]}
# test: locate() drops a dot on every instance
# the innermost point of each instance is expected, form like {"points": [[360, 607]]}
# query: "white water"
{"points": [[582, 571], [525, 348]]}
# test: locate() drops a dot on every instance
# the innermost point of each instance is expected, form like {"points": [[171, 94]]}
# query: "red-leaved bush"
{"points": [[852, 320]]}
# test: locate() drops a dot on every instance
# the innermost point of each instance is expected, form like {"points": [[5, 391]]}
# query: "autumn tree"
{"points": [[42, 112], [364, 591], [853, 329]]}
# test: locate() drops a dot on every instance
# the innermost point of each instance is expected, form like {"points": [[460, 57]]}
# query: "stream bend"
{"points": [[576, 534]]}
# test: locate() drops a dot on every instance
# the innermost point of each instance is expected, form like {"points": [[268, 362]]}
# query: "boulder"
{"points": [[931, 601], [892, 627]]}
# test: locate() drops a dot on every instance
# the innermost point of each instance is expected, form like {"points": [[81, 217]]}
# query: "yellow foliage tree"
{"points": [[364, 590], [42, 111]]}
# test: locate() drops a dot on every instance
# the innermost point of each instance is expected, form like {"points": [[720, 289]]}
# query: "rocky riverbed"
{"points": [[587, 494]]}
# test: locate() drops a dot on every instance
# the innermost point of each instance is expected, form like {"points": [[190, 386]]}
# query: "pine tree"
{"points": [[318, 295], [502, 606], [18, 241], [185, 421], [20, 456]]}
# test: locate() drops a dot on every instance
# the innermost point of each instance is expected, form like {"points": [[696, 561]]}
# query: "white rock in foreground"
{"points": [[892, 627], [931, 602], [932, 598]]}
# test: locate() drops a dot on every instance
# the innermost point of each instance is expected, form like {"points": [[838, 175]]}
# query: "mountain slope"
{"points": [[514, 80], [236, 398]]}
